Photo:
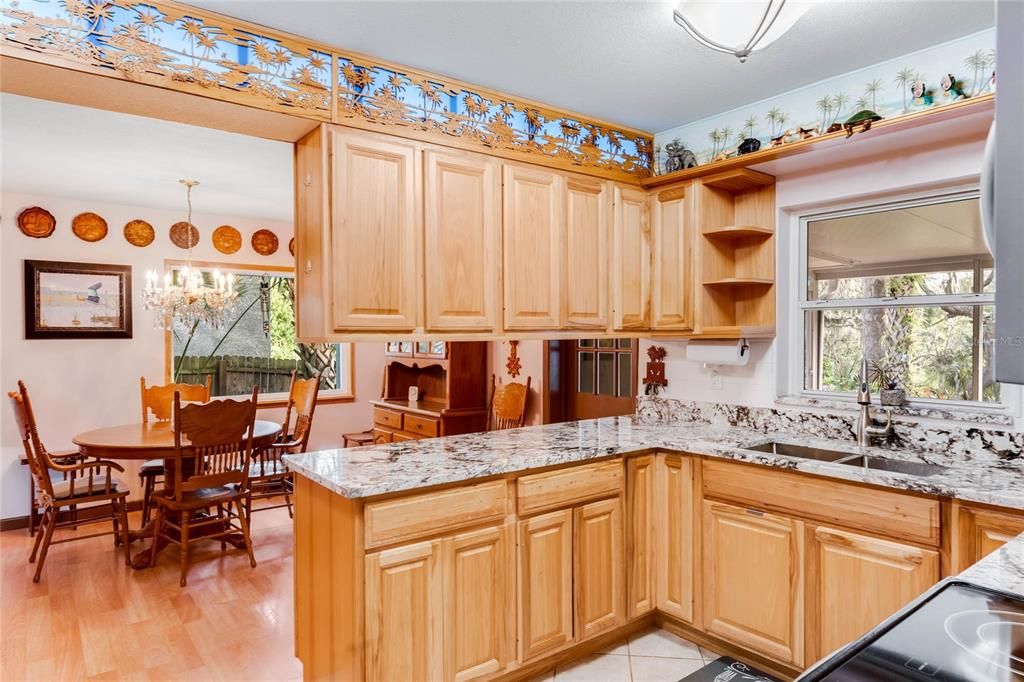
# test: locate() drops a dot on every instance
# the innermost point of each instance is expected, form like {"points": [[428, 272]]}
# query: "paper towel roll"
{"points": [[718, 352]]}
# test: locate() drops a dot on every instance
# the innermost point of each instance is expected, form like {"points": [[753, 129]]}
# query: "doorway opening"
{"points": [[590, 378]]}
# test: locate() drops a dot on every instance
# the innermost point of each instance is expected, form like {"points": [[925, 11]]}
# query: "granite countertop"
{"points": [[1003, 569], [409, 465]]}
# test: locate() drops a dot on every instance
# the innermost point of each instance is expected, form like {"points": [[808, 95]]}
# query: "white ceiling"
{"points": [[625, 61], [77, 152]]}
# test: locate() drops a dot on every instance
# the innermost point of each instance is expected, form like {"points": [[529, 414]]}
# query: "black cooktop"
{"points": [[956, 632]]}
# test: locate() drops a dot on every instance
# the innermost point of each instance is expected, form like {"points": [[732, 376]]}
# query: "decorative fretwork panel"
{"points": [[178, 47], [183, 48], [391, 97]]}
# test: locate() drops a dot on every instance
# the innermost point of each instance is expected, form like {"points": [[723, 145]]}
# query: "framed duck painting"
{"points": [[77, 300]]}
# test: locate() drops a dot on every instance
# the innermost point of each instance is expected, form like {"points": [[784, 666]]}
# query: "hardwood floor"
{"points": [[91, 617]]}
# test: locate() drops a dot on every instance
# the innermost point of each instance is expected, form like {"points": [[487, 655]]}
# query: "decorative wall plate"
{"points": [[291, 246], [36, 222], [181, 235], [139, 233], [89, 227], [227, 239], [264, 242]]}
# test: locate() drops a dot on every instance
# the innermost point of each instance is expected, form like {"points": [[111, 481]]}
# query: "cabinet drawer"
{"points": [[406, 518], [894, 514], [422, 426], [566, 487], [387, 417]]}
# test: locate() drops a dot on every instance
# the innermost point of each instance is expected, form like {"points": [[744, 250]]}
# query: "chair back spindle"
{"points": [[216, 438]]}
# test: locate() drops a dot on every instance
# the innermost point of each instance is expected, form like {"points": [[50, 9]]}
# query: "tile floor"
{"points": [[651, 656]]}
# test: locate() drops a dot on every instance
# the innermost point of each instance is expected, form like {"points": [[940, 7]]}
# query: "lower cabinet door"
{"points": [[599, 576], [640, 535], [479, 618], [858, 581], [675, 524], [545, 583], [753, 580], [983, 531], [404, 607]]}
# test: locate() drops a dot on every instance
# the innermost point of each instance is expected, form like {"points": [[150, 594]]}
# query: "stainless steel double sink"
{"points": [[867, 462]]}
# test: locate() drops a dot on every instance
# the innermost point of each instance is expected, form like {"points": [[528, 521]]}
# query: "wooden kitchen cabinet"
{"points": [[375, 232], [599, 575], [641, 536], [404, 607], [983, 531], [631, 260], [545, 575], [479, 616], [586, 253], [676, 528], [533, 247], [671, 247], [462, 227], [857, 581], [753, 580]]}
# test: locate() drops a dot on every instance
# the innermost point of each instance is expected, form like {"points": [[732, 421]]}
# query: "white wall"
{"points": [[77, 385], [897, 173]]}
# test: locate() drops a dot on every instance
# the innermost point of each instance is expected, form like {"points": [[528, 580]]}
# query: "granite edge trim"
{"points": [[890, 480]]}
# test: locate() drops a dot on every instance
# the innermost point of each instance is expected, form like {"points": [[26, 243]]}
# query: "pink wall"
{"points": [[531, 355], [81, 385]]}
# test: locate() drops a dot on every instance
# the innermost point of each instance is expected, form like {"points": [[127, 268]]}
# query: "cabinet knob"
{"points": [[309, 266], [755, 512], [308, 180]]}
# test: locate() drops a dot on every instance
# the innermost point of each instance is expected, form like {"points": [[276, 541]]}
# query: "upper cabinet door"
{"points": [[534, 217], [375, 229], [631, 260], [586, 254], [670, 260], [462, 225]]}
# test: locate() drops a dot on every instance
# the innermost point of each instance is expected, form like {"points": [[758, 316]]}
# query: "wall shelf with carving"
{"points": [[938, 125]]}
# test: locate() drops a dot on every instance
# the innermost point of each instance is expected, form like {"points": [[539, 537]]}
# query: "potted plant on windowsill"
{"points": [[886, 378]]}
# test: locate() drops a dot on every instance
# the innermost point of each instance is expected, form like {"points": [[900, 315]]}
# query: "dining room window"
{"points": [[909, 286], [256, 345]]}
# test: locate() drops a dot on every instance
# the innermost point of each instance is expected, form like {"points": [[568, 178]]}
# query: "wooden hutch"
{"points": [[452, 379]]}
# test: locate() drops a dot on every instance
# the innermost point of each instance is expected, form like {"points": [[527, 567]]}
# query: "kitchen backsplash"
{"points": [[955, 441]]}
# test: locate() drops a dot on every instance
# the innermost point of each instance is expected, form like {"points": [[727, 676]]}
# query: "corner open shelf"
{"points": [[736, 253]]}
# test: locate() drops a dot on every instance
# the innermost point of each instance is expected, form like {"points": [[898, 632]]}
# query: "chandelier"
{"points": [[738, 27], [189, 298]]}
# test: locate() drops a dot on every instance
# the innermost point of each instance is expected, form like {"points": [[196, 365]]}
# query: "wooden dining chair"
{"points": [[268, 475], [86, 482], [212, 449], [159, 401], [507, 409]]}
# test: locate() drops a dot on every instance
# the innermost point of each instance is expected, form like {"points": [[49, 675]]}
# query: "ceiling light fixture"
{"points": [[188, 298], [738, 28]]}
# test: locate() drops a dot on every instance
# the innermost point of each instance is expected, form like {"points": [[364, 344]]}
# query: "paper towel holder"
{"points": [[713, 358]]}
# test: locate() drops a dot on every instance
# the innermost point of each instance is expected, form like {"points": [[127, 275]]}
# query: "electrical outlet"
{"points": [[716, 379]]}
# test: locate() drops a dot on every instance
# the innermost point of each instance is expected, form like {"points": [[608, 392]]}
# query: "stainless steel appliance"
{"points": [[1002, 189]]}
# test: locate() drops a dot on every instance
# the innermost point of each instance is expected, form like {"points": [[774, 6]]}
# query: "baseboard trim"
{"points": [[85, 514]]}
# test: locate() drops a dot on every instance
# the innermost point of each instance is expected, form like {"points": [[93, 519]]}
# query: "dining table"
{"points": [[155, 440]]}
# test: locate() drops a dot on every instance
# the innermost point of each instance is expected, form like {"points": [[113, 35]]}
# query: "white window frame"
{"points": [[346, 351], [793, 302]]}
